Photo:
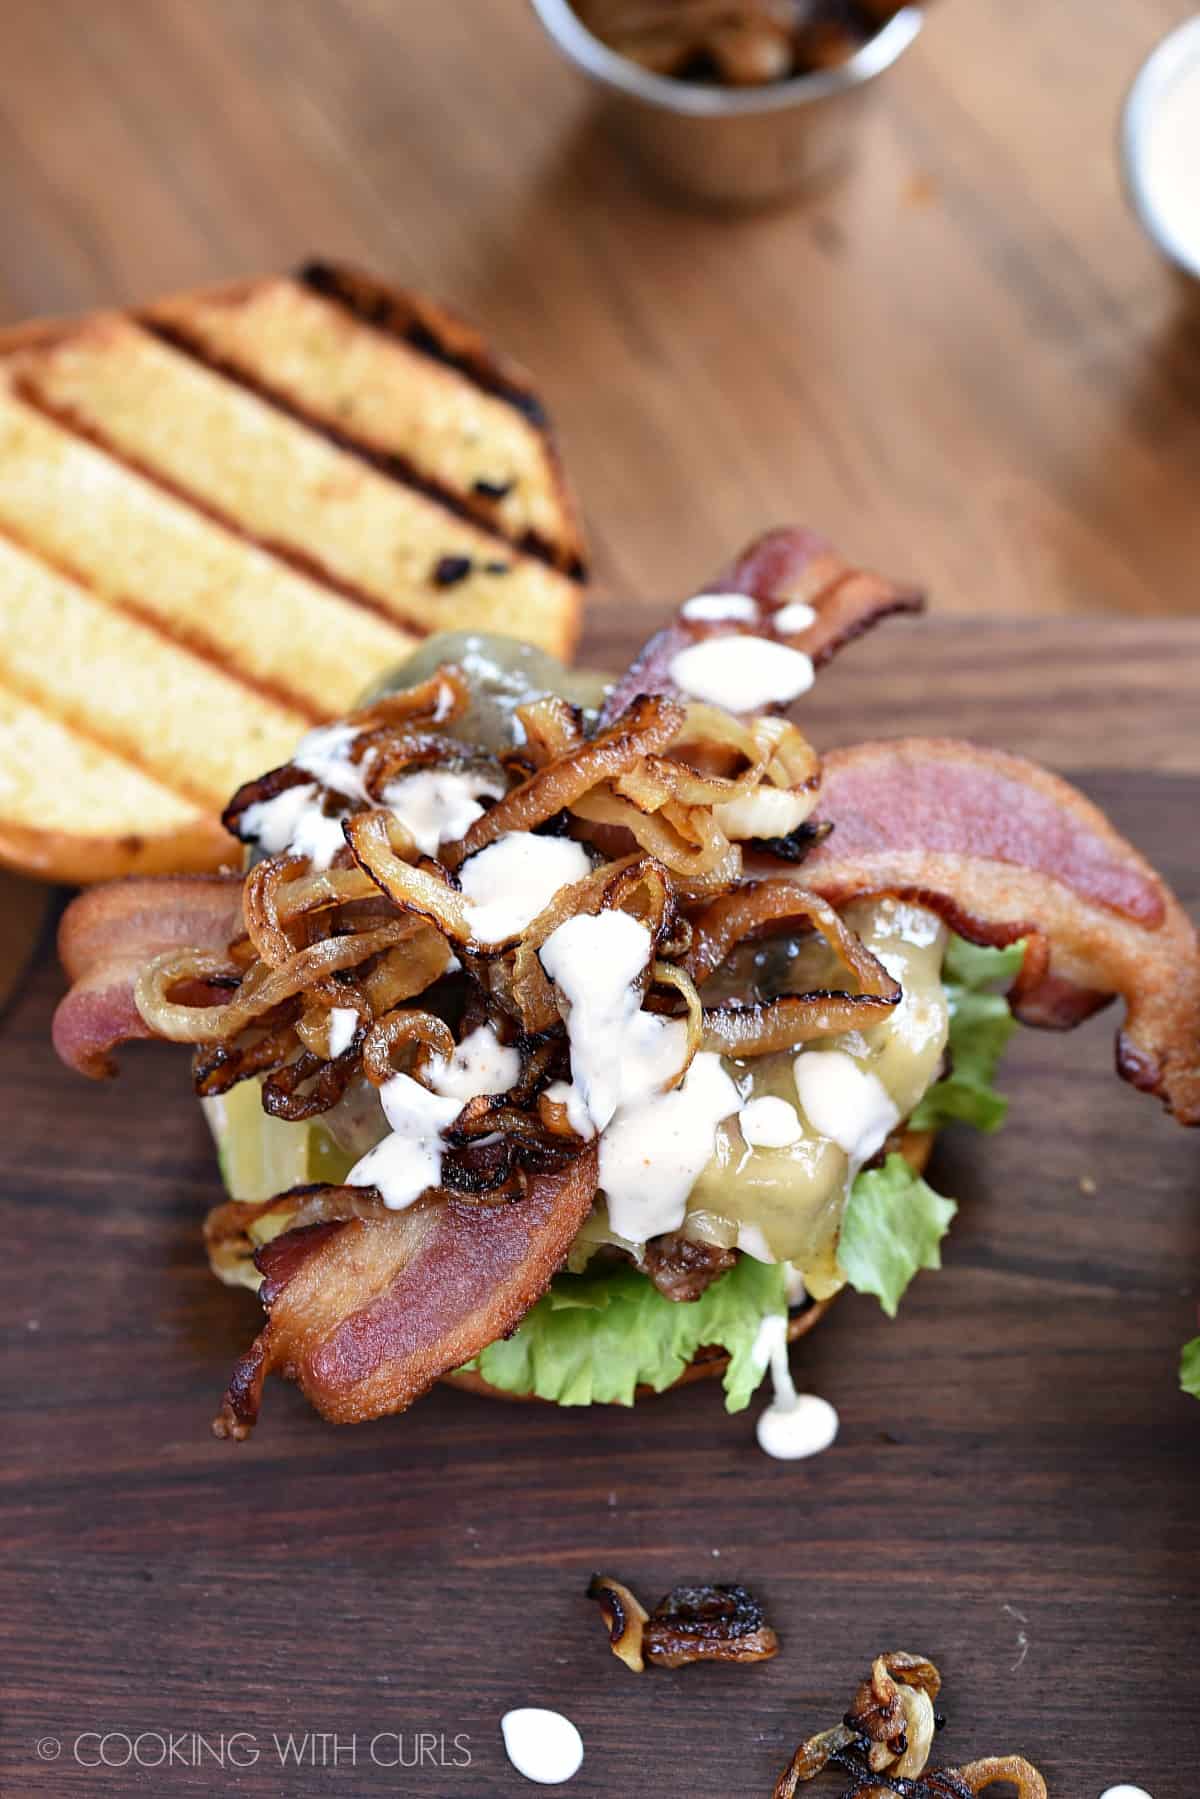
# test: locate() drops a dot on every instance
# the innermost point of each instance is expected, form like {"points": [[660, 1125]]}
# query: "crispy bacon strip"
{"points": [[781, 567], [365, 1315], [1003, 850], [107, 936]]}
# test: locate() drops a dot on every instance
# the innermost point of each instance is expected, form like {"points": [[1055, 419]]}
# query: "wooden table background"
{"points": [[1013, 1491], [966, 363]]}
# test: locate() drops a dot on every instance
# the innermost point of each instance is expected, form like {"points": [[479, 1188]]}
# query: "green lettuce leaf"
{"points": [[595, 1338], [892, 1227], [1189, 1368], [980, 1026]]}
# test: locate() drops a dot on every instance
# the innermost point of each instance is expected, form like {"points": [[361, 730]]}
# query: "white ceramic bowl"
{"points": [[1178, 53]]}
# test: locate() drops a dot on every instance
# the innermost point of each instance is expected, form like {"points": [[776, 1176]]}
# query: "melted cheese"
{"points": [[507, 884], [742, 673]]}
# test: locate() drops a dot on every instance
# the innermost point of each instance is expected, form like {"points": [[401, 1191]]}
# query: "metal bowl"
{"points": [[731, 147], [1179, 50]]}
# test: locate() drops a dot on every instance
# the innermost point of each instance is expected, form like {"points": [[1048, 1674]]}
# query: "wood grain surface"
{"points": [[1013, 1491], [970, 332]]}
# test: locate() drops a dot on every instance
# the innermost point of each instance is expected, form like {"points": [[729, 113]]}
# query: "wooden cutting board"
{"points": [[1014, 1491]]}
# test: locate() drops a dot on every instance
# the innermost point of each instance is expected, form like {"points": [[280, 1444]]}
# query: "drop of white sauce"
{"points": [[769, 1123], [742, 673], [1124, 1792], [542, 1745], [844, 1102], [794, 1425], [435, 805], [656, 1137], [507, 884], [790, 620], [343, 1022], [712, 608], [409, 1159]]}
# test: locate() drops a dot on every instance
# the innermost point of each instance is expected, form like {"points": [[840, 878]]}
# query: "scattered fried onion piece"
{"points": [[978, 1776], [893, 1708], [708, 1624], [883, 1743], [690, 1624], [624, 1616]]}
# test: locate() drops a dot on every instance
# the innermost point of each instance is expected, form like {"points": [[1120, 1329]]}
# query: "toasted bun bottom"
{"points": [[63, 856], [710, 1361]]}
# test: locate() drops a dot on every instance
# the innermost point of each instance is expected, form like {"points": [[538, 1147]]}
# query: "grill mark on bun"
{"points": [[425, 328], [276, 720], [68, 418], [475, 509], [172, 631]]}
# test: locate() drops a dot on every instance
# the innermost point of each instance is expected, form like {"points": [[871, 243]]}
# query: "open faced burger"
{"points": [[559, 1032]]}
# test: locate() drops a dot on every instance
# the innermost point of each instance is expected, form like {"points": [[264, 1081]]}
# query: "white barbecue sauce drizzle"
{"points": [[509, 882], [480, 1064], [742, 673], [438, 805], [715, 608], [794, 1425], [409, 1159], [656, 1137], [435, 805], [793, 618]]}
